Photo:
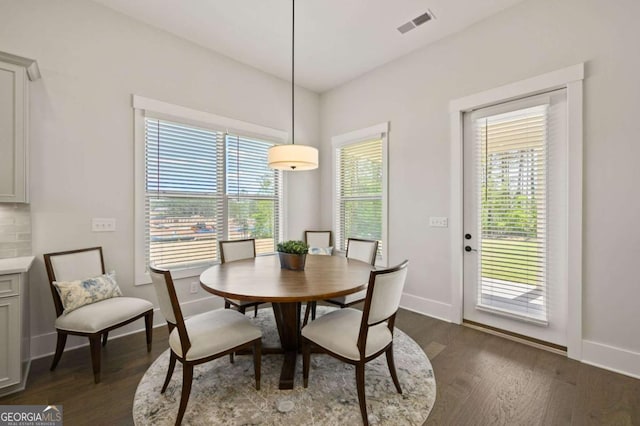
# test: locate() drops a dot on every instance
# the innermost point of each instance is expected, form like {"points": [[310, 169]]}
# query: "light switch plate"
{"points": [[103, 224], [438, 222]]}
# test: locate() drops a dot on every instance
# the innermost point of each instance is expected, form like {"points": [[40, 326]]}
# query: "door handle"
{"points": [[468, 249]]}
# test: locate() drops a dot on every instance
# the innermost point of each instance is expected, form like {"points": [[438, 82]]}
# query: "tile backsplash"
{"points": [[15, 230]]}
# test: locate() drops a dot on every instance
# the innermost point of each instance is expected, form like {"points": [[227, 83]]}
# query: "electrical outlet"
{"points": [[103, 224], [194, 287], [438, 222]]}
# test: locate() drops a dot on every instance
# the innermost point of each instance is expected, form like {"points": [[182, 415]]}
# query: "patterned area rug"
{"points": [[224, 393]]}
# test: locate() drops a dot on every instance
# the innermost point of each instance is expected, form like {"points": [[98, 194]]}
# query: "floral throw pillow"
{"points": [[324, 251], [75, 294]]}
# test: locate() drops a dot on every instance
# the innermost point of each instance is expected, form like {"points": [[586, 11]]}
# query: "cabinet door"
{"points": [[13, 133], [9, 341]]}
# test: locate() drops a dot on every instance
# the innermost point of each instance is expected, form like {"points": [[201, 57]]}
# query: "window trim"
{"points": [[570, 78], [146, 107], [378, 131]]}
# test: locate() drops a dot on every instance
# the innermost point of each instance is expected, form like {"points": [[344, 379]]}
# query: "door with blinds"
{"points": [[515, 210]]}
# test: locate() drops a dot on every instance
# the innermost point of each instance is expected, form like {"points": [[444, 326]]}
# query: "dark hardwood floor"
{"points": [[481, 380]]}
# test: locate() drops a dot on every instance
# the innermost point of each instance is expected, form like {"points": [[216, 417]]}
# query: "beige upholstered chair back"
{"points": [[77, 265], [163, 292], [70, 266], [384, 292], [318, 238], [233, 250], [363, 250], [169, 304]]}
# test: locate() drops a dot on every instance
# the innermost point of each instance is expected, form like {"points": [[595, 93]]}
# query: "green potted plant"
{"points": [[293, 254]]}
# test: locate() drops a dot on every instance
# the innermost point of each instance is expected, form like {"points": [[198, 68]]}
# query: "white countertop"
{"points": [[14, 265]]}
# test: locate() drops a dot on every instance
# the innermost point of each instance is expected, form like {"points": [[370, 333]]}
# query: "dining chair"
{"points": [[318, 239], [88, 302], [364, 251], [357, 337], [231, 251], [358, 249], [201, 338]]}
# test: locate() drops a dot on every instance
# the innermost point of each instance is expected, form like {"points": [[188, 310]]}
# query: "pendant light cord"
{"points": [[293, 50]]}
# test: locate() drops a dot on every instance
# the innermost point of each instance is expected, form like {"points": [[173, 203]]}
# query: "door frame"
{"points": [[570, 78]]}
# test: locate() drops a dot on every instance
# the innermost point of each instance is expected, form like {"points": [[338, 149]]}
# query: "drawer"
{"points": [[9, 285]]}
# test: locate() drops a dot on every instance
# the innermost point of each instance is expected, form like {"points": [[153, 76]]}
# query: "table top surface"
{"points": [[261, 278]]}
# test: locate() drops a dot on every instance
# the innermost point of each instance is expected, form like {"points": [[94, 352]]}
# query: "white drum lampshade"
{"points": [[293, 157]]}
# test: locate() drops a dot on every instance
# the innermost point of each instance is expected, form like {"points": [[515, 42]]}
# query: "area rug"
{"points": [[224, 393]]}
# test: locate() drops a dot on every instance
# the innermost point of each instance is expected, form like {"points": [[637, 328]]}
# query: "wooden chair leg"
{"points": [[148, 326], [227, 305], [231, 358], [313, 310], [242, 309], [392, 368], [187, 378], [257, 361], [306, 360], [105, 336], [94, 344], [361, 396], [62, 340], [307, 310], [255, 311], [172, 365]]}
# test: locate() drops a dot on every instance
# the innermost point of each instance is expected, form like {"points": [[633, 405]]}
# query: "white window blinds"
{"points": [[512, 158], [359, 192], [253, 191], [203, 185]]}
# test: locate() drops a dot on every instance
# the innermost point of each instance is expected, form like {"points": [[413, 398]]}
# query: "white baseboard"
{"points": [[45, 344], [428, 307], [611, 358]]}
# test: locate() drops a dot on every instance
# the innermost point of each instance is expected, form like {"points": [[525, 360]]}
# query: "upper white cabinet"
{"points": [[15, 72]]}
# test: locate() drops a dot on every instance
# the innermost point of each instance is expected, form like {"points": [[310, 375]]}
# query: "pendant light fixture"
{"points": [[293, 157]]}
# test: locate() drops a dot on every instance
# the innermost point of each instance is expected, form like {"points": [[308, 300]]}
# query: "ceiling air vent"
{"points": [[419, 20]]}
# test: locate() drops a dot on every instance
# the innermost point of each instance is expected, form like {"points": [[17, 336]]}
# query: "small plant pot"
{"points": [[293, 262]]}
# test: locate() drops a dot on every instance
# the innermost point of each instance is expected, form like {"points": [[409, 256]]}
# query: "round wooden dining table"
{"points": [[262, 279]]}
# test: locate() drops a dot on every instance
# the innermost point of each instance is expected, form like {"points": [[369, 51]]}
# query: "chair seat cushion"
{"points": [[237, 302], [214, 332], [350, 298], [338, 332], [101, 315]]}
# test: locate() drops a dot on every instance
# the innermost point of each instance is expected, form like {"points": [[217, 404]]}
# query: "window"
{"points": [[200, 184], [360, 160]]}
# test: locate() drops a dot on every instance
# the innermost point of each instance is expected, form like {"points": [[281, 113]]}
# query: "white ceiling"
{"points": [[336, 40]]}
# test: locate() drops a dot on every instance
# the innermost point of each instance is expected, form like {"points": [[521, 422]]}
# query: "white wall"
{"points": [[92, 60], [534, 37]]}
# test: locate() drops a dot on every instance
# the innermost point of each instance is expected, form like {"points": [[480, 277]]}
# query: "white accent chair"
{"points": [[231, 251], [318, 238], [96, 319], [357, 337], [203, 337]]}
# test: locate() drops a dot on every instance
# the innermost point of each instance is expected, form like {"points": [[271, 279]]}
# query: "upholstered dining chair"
{"points": [[358, 249], [203, 337], [318, 239], [365, 251], [88, 302], [357, 337], [231, 251]]}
